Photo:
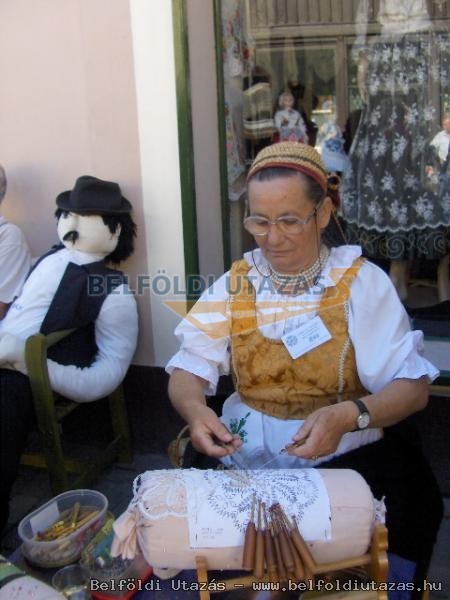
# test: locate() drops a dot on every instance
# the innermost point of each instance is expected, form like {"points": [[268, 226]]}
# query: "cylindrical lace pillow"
{"points": [[176, 515]]}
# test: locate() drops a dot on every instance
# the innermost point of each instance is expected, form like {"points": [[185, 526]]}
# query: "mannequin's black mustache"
{"points": [[71, 236]]}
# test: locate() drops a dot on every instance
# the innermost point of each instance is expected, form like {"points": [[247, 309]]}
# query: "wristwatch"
{"points": [[363, 420]]}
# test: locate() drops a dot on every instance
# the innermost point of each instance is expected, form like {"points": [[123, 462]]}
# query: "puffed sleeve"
{"points": [[116, 331], [204, 337], [385, 346]]}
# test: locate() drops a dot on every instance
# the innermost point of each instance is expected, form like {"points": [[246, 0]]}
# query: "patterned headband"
{"points": [[291, 155]]}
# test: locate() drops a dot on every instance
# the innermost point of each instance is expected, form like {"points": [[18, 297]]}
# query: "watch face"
{"points": [[363, 420]]}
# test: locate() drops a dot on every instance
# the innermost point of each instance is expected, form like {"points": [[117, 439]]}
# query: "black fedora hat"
{"points": [[92, 195]]}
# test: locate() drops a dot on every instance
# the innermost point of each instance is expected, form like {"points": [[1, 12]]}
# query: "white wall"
{"points": [[68, 106], [151, 24], [88, 87]]}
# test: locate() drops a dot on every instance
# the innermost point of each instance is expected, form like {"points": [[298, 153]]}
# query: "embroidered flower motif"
{"points": [[399, 145], [411, 51], [410, 180], [374, 85], [419, 146], [412, 115], [398, 212], [396, 53], [369, 181], [379, 147], [237, 427], [386, 55], [375, 211], [375, 117], [429, 112], [435, 72], [445, 202], [424, 207], [387, 183]]}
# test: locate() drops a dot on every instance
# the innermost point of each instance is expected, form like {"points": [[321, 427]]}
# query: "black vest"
{"points": [[76, 304]]}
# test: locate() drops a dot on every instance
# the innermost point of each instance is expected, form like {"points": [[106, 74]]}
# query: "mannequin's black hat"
{"points": [[92, 195]]}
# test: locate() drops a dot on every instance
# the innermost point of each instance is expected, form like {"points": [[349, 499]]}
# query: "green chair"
{"points": [[51, 409]]}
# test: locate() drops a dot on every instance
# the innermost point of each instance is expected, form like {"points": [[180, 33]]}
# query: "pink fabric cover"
{"points": [[164, 542]]}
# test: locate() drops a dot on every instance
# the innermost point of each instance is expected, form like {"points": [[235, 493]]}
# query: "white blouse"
{"points": [[379, 327]]}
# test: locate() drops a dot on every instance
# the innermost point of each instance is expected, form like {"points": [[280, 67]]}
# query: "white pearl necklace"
{"points": [[308, 274]]}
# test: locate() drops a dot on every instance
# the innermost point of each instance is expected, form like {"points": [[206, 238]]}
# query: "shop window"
{"points": [[367, 83]]}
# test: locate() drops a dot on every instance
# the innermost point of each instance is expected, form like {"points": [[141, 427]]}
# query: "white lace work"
{"points": [[218, 503], [160, 494]]}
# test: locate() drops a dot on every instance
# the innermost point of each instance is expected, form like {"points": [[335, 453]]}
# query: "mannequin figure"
{"points": [[15, 259], [388, 203], [70, 287], [288, 121]]}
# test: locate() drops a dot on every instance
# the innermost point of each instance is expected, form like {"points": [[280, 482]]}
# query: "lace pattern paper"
{"points": [[218, 503]]}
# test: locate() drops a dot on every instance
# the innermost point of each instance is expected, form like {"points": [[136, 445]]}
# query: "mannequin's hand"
{"points": [[209, 435], [12, 353], [323, 429]]}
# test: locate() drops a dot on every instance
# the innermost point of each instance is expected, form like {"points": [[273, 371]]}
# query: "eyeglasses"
{"points": [[286, 224]]}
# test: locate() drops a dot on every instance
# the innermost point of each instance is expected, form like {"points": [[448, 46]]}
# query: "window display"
{"points": [[368, 85]]}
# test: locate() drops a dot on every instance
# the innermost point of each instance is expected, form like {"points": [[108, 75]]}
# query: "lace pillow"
{"points": [[178, 514]]}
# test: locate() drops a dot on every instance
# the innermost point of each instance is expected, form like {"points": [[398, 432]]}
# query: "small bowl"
{"points": [[109, 574], [68, 546]]}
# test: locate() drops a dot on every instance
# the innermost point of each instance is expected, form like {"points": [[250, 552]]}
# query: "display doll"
{"points": [[70, 287], [288, 121], [388, 204], [15, 259]]}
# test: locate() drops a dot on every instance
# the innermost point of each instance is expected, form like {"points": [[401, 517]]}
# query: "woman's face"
{"points": [[285, 196]]}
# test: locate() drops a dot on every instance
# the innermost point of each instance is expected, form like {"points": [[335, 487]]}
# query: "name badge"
{"points": [[306, 337]]}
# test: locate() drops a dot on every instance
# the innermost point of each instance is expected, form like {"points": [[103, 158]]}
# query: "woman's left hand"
{"points": [[322, 430]]}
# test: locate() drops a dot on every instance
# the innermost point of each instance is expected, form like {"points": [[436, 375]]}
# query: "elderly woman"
{"points": [[324, 361]]}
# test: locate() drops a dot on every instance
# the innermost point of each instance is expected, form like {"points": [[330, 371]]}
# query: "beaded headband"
{"points": [[291, 155]]}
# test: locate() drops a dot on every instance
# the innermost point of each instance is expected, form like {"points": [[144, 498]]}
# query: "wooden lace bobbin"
{"points": [[248, 556], [286, 552], [299, 571], [269, 547], [303, 550], [279, 559], [258, 570]]}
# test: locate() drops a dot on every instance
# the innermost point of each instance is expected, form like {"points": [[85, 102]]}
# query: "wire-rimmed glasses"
{"points": [[287, 224]]}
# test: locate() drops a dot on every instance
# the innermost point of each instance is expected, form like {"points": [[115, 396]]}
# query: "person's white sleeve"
{"points": [[204, 337], [379, 327], [15, 262], [116, 331]]}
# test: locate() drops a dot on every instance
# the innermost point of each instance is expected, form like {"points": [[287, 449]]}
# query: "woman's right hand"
{"points": [[209, 435]]}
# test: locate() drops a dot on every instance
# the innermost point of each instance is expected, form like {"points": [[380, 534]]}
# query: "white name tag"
{"points": [[306, 337]]}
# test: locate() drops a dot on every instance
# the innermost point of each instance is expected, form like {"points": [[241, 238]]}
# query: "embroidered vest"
{"points": [[76, 305], [266, 376]]}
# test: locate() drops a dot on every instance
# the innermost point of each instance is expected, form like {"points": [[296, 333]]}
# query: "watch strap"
{"points": [[361, 406]]}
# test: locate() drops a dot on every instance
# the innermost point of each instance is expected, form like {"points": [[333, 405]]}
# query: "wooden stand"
{"points": [[374, 562]]}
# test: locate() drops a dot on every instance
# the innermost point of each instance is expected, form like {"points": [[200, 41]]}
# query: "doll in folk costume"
{"points": [[71, 287], [387, 201], [288, 121]]}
